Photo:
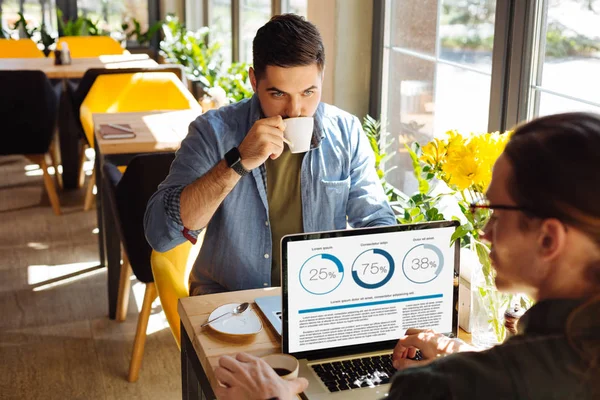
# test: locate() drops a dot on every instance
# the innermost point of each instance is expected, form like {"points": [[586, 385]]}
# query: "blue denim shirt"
{"points": [[339, 184]]}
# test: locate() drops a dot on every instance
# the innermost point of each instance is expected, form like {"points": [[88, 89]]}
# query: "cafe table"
{"points": [[156, 131], [201, 348], [78, 66], [70, 147]]}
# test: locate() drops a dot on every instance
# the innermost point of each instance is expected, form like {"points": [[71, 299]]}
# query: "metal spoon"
{"points": [[238, 310]]}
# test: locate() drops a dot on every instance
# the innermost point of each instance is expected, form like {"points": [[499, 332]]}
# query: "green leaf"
{"points": [[458, 233], [413, 212], [423, 184]]}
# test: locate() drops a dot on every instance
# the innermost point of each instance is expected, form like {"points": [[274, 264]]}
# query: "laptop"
{"points": [[348, 296], [271, 308]]}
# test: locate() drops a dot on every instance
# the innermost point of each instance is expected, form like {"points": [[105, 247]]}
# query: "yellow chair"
{"points": [[171, 281], [142, 91], [91, 46], [22, 48]]}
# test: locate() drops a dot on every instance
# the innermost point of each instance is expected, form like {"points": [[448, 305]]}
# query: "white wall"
{"points": [[346, 28]]}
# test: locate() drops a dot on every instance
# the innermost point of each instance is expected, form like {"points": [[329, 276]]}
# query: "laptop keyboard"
{"points": [[355, 373]]}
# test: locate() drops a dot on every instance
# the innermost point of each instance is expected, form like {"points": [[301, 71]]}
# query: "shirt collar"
{"points": [[318, 129]]}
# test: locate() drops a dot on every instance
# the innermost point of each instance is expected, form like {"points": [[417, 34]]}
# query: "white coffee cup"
{"points": [[285, 366], [298, 131]]}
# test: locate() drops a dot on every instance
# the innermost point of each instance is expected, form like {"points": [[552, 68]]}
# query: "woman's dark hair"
{"points": [[556, 163], [287, 40], [556, 172]]}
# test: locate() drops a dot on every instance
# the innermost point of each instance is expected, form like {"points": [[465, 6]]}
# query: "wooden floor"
{"points": [[56, 341]]}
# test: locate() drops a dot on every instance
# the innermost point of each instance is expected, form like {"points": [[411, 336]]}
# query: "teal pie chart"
{"points": [[373, 268], [423, 263], [321, 274]]}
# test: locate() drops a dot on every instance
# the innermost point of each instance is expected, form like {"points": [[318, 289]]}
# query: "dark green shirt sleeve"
{"points": [[419, 383]]}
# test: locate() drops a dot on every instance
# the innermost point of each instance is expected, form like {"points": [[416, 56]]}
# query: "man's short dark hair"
{"points": [[287, 40]]}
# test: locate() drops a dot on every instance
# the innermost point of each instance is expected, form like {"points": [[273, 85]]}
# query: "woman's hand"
{"points": [[246, 377], [430, 344]]}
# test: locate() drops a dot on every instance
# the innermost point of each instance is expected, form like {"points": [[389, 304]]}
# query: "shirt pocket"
{"points": [[335, 200]]}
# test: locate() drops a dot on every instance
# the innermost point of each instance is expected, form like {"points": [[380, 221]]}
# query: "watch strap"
{"points": [[239, 168]]}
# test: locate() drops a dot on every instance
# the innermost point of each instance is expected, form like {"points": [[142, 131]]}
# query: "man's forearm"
{"points": [[200, 199]]}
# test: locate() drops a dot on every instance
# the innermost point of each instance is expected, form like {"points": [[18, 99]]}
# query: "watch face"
{"points": [[232, 156]]}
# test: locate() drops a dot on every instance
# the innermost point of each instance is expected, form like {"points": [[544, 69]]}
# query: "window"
{"points": [[253, 15], [565, 77], [114, 12], [220, 26], [438, 78], [109, 13], [440, 69], [234, 23], [295, 7], [36, 13]]}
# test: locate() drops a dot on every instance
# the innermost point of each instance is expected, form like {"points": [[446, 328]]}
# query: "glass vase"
{"points": [[487, 312]]}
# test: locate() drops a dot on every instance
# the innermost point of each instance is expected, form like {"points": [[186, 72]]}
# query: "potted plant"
{"points": [[138, 42], [81, 26]]}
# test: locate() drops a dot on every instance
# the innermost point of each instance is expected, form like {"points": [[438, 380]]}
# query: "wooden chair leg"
{"points": [[140, 334], [124, 286], [54, 156], [48, 182], [89, 193]]}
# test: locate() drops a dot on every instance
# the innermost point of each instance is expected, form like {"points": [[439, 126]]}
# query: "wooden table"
{"points": [[70, 146], [156, 131], [202, 348], [78, 66]]}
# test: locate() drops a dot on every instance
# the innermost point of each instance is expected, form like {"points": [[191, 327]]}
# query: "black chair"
{"points": [[28, 111], [129, 193], [78, 95]]}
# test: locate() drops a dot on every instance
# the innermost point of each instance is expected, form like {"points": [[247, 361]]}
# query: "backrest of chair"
{"points": [[142, 91], [22, 48], [90, 46], [28, 110], [153, 91], [170, 277], [91, 74], [139, 182]]}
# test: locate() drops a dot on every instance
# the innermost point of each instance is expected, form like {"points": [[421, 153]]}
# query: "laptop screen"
{"points": [[362, 288]]}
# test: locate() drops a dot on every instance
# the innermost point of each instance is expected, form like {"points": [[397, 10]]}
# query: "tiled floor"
{"points": [[56, 341]]}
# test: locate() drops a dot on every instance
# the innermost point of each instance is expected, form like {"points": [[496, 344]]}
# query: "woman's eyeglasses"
{"points": [[486, 205]]}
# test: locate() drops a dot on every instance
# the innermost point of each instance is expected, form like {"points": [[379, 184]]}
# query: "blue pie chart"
{"points": [[321, 274], [373, 268]]}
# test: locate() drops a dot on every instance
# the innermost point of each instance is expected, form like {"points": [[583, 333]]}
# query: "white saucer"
{"points": [[246, 323]]}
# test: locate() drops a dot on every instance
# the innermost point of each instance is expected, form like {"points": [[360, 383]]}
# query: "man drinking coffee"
{"points": [[236, 177]]}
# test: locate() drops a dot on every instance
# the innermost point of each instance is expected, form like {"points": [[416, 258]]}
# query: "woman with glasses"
{"points": [[545, 238]]}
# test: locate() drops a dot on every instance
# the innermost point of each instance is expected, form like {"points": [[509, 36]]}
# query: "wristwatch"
{"points": [[234, 161]]}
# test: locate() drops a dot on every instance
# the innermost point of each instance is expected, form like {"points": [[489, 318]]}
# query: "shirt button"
{"points": [[267, 223], [266, 284], [266, 256]]}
